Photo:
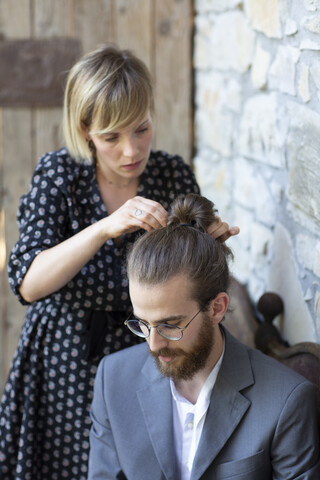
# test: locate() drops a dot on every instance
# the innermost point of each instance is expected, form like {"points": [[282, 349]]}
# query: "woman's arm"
{"points": [[55, 267]]}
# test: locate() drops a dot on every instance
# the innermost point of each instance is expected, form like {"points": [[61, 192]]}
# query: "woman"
{"points": [[85, 204]]}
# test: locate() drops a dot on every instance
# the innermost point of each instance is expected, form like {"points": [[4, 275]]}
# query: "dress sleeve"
{"points": [[42, 220], [186, 182]]}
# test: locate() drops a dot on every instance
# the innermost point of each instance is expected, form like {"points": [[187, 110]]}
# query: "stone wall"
{"points": [[257, 135]]}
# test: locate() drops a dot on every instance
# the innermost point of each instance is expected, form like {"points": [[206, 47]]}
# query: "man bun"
{"points": [[192, 210]]}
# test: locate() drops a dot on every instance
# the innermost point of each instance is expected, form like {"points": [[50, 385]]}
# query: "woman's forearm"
{"points": [[55, 267]]}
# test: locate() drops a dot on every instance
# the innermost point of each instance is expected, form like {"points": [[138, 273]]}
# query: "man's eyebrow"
{"points": [[171, 318]]}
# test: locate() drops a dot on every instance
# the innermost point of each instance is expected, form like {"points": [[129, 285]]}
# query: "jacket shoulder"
{"points": [[126, 361]]}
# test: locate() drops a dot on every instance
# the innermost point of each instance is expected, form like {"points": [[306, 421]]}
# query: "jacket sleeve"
{"points": [[103, 459], [295, 451]]}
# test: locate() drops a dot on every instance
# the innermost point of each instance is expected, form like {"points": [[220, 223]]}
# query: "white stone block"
{"points": [[284, 279], [291, 27], [303, 155], [315, 73], [203, 6], [264, 16], [303, 84], [277, 190], [241, 264], [283, 70], [232, 95], [265, 206], [215, 182], [243, 219], [217, 91], [261, 245], [312, 5], [305, 251], [260, 67], [232, 42], [251, 191], [261, 250], [261, 135], [308, 295], [244, 183], [214, 119], [312, 24], [300, 217], [201, 56], [214, 130], [308, 44], [316, 266]]}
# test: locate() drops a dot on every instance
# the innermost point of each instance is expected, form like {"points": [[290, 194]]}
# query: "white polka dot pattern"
{"points": [[44, 414]]}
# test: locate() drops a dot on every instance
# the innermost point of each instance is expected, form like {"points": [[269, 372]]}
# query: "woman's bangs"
{"points": [[120, 115]]}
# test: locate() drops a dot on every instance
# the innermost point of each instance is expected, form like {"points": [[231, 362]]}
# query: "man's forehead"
{"points": [[164, 297], [175, 283]]}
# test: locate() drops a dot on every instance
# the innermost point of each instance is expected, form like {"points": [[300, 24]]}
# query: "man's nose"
{"points": [[156, 341]]}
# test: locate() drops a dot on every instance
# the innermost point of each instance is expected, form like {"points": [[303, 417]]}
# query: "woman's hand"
{"points": [[135, 213], [221, 230]]}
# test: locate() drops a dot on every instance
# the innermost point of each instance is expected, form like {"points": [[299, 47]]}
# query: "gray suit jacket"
{"points": [[261, 423]]}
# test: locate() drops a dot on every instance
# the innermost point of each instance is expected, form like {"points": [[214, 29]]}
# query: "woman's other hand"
{"points": [[220, 230]]}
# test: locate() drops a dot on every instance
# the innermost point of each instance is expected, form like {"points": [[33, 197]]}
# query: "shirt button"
{"points": [[190, 425]]}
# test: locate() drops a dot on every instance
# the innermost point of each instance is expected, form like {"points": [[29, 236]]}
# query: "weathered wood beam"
{"points": [[33, 72]]}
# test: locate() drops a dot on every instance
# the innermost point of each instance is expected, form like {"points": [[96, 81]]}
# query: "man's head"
{"points": [[178, 276], [183, 247]]}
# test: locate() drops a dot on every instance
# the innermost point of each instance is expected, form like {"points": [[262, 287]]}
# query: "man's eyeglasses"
{"points": [[143, 329]]}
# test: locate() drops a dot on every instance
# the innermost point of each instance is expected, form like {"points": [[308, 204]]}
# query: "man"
{"points": [[192, 402]]}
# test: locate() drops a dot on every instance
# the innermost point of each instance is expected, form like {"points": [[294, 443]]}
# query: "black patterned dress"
{"points": [[44, 414]]}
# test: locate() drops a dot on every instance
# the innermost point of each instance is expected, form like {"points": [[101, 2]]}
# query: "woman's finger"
{"points": [[150, 213], [221, 231]]}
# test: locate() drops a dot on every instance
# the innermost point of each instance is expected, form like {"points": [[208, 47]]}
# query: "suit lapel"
{"points": [[156, 405], [227, 406]]}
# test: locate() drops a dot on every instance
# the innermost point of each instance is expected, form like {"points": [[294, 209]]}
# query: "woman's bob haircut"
{"points": [[108, 89]]}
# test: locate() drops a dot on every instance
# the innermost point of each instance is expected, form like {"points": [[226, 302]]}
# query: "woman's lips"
{"points": [[132, 166]]}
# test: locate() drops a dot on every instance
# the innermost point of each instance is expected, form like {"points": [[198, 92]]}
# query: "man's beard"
{"points": [[189, 362]]}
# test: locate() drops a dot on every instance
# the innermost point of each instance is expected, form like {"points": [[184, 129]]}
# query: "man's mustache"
{"points": [[167, 352]]}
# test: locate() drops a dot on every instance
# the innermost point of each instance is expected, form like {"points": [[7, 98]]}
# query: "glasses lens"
{"points": [[172, 332], [138, 328]]}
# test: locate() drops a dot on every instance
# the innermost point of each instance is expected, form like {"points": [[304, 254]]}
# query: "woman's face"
{"points": [[123, 154]]}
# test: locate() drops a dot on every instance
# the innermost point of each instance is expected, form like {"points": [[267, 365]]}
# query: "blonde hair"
{"points": [[107, 89]]}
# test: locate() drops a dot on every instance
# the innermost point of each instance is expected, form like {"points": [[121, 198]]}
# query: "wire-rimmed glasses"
{"points": [[143, 329]]}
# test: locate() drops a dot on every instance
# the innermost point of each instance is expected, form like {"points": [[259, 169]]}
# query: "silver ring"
{"points": [[138, 212]]}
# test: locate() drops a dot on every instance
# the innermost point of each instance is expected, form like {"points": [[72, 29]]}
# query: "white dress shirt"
{"points": [[188, 421]]}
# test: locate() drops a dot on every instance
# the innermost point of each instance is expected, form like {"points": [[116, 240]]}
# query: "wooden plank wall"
{"points": [[158, 31]]}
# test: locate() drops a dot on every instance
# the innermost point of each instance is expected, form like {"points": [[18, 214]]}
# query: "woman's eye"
{"points": [[142, 130], [110, 139]]}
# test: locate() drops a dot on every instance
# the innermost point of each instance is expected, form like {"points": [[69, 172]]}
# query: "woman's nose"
{"points": [[130, 147]]}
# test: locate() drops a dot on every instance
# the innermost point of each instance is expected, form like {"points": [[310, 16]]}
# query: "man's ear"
{"points": [[218, 307]]}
